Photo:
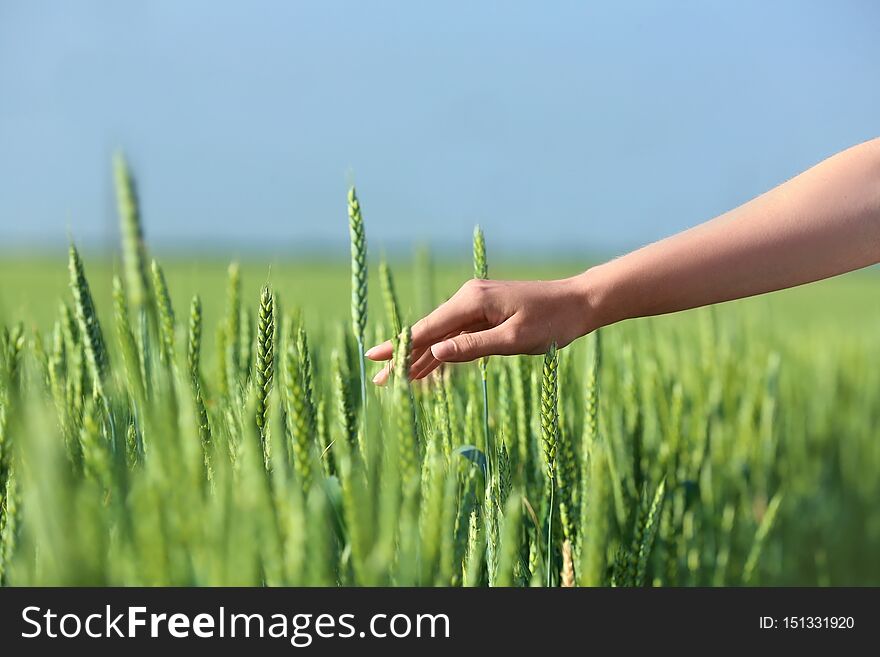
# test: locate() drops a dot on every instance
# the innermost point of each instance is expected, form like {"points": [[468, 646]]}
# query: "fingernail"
{"points": [[370, 351], [443, 350], [382, 377]]}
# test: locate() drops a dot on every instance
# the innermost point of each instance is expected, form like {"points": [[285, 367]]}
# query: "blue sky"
{"points": [[577, 126]]}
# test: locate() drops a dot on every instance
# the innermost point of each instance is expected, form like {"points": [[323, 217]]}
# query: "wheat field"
{"points": [[205, 423]]}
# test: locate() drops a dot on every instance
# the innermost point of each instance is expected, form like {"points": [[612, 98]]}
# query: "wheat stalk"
{"points": [[76, 368], [11, 347], [95, 449], [165, 314], [550, 433], [193, 361], [38, 348], [134, 257], [760, 538], [57, 383], [481, 267], [549, 411], [13, 343], [594, 517], [648, 532], [511, 540], [300, 411], [358, 237], [127, 342], [442, 420], [232, 328], [566, 483], [522, 401], [344, 410], [389, 295], [407, 440], [474, 555], [89, 327], [194, 340], [264, 371], [134, 262], [481, 271], [10, 530]]}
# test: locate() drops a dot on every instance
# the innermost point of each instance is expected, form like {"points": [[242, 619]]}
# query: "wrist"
{"points": [[593, 290]]}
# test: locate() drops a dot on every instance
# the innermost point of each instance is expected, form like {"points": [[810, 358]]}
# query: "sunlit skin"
{"points": [[821, 223]]}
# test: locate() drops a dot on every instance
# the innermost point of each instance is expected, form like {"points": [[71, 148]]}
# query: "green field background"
{"points": [[825, 454], [842, 309]]}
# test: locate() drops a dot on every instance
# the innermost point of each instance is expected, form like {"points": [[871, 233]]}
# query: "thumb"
{"points": [[470, 346]]}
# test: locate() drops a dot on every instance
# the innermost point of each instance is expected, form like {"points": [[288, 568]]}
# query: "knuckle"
{"points": [[476, 287], [424, 325], [468, 290], [469, 343]]}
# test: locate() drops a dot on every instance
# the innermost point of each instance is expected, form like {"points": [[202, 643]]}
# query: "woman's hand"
{"points": [[487, 317]]}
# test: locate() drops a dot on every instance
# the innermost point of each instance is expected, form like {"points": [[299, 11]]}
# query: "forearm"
{"points": [[824, 222]]}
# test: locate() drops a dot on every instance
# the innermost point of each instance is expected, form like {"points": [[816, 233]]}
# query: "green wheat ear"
{"points": [[134, 258], [194, 339], [300, 412], [344, 411], [481, 271], [127, 343], [764, 528], [165, 313], [549, 409], [193, 362], [358, 266], [264, 372], [550, 434], [87, 320], [650, 522], [407, 445], [389, 295], [481, 267], [358, 237]]}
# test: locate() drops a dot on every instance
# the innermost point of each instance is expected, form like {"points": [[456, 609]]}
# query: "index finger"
{"points": [[457, 314]]}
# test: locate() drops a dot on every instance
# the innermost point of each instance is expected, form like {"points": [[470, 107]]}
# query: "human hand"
{"points": [[487, 317]]}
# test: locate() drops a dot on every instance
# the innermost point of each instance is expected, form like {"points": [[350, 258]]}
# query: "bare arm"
{"points": [[824, 222]]}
